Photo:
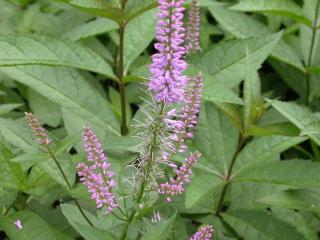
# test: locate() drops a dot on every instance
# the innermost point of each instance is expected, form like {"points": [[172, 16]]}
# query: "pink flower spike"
{"points": [[176, 186], [97, 177], [193, 29], [18, 224], [204, 233], [37, 129], [189, 116], [167, 79]]}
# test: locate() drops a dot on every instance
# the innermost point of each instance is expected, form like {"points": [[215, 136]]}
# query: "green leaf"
{"points": [[138, 35], [6, 108], [283, 129], [18, 134], [78, 222], [216, 137], [293, 173], [135, 8], [295, 219], [286, 8], [27, 160], [300, 116], [11, 175], [75, 218], [232, 112], [92, 28], [70, 89], [33, 227], [219, 93], [67, 143], [51, 168], [99, 8], [263, 149], [307, 200], [7, 196], [160, 231], [30, 159], [219, 64], [291, 75], [202, 184], [96, 45], [51, 51], [253, 225], [93, 233], [313, 128], [243, 26], [247, 194], [46, 111], [253, 105]]}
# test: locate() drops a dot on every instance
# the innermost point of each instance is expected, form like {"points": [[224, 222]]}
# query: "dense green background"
{"points": [[259, 128]]}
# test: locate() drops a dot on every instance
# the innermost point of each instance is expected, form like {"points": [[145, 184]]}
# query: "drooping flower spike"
{"points": [[167, 79], [204, 233], [176, 185], [37, 129], [193, 28], [97, 177]]}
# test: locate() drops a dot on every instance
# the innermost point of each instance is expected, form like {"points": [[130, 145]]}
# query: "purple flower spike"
{"points": [[193, 29], [37, 129], [176, 186], [189, 118], [204, 233], [97, 177], [167, 81]]}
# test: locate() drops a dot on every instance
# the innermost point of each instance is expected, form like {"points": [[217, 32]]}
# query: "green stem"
{"points": [[68, 183], [124, 128], [228, 177], [311, 51], [120, 218], [8, 209], [125, 232], [151, 150]]}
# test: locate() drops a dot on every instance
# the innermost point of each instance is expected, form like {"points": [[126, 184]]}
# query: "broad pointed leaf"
{"points": [[51, 51]]}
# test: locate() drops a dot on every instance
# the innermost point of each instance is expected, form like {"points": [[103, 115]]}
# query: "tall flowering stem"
{"points": [[43, 139], [164, 127], [204, 233], [193, 29], [167, 81], [97, 177], [176, 185]]}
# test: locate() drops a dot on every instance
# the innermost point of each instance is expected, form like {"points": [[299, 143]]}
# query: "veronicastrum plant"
{"points": [[166, 119]]}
